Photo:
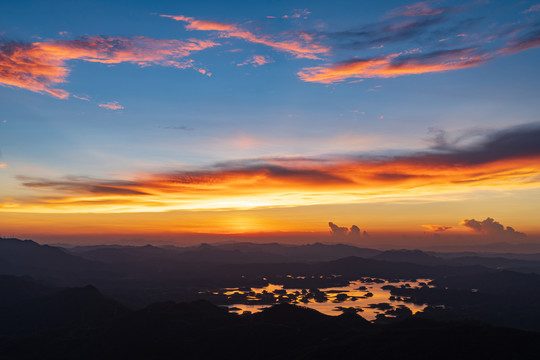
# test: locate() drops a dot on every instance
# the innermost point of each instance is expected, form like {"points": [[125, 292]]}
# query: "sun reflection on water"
{"points": [[362, 295]]}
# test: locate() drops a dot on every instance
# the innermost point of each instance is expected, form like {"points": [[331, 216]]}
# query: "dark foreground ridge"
{"points": [[80, 323]]}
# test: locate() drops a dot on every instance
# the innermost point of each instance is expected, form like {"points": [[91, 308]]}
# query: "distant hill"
{"points": [[222, 253], [410, 256], [26, 257]]}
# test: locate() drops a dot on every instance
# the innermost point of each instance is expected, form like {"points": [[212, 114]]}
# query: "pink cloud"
{"points": [[256, 60], [111, 105], [85, 98], [421, 8], [42, 65], [301, 47]]}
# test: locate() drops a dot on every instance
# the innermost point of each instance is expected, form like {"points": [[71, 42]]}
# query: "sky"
{"points": [[410, 120]]}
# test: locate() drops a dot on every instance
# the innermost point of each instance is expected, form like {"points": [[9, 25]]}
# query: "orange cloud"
{"points": [[437, 228], [505, 160], [112, 105], [301, 48], [41, 66], [393, 65], [275, 184]]}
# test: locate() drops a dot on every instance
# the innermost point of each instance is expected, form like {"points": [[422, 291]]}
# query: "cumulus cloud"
{"points": [[355, 231], [342, 230], [491, 227], [338, 230], [41, 66]]}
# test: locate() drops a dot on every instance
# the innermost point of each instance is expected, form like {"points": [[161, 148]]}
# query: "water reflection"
{"points": [[368, 296]]}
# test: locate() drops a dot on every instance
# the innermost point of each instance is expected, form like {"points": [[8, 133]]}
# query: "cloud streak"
{"points": [[506, 159], [424, 40], [112, 105], [421, 8], [533, 8], [394, 65], [437, 228], [41, 66], [302, 46], [82, 185]]}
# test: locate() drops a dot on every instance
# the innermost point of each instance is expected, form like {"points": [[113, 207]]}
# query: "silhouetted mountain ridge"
{"points": [[26, 257]]}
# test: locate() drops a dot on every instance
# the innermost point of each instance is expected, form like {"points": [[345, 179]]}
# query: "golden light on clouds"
{"points": [[279, 183]]}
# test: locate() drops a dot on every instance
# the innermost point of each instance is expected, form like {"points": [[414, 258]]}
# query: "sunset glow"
{"points": [[176, 120]]}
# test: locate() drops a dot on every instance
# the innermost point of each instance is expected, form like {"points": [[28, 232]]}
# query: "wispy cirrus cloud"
{"points": [[524, 42], [508, 159], [41, 66], [443, 39], [82, 185], [394, 65], [417, 62], [256, 60], [301, 46], [422, 8], [84, 98], [533, 8], [111, 105]]}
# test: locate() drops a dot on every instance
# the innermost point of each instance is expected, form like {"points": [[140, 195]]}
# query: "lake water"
{"points": [[354, 297]]}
